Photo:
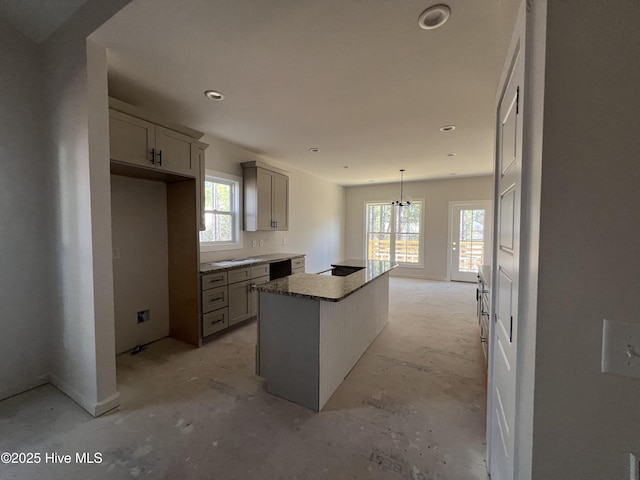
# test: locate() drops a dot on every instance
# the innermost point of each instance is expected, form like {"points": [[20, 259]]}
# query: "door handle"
{"points": [[160, 157], [153, 156]]}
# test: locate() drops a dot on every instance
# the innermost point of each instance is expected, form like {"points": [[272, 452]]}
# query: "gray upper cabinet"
{"points": [[142, 143], [131, 139], [266, 197]]}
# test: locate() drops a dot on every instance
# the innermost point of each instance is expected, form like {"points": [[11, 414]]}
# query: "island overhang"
{"points": [[328, 287]]}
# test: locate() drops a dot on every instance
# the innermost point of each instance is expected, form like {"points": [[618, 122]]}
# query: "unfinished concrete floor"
{"points": [[412, 408]]}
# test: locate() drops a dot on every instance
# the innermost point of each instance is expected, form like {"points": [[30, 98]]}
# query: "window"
{"points": [[221, 212], [394, 232]]}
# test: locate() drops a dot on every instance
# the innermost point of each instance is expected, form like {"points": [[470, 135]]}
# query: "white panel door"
{"points": [[470, 239], [503, 357]]}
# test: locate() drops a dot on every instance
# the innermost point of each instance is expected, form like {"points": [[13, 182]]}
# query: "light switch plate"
{"points": [[621, 348]]}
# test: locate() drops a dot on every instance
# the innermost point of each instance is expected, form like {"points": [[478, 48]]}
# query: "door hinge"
{"points": [[517, 100], [511, 329]]}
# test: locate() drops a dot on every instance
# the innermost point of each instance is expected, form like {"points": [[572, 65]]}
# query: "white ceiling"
{"points": [[357, 79]]}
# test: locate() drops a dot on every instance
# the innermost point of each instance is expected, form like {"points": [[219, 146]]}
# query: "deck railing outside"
{"points": [[408, 251]]}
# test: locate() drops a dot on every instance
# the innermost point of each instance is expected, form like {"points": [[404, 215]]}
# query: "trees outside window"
{"points": [[394, 233], [221, 211]]}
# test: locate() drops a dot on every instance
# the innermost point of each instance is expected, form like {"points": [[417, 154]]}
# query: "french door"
{"points": [[470, 239]]}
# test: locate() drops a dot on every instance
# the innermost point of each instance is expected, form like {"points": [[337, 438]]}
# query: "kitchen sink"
{"points": [[235, 261], [343, 270]]}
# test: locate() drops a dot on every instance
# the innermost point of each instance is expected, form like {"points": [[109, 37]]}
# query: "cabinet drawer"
{"points": [[214, 299], [297, 263], [213, 280], [297, 270], [239, 275], [260, 271], [215, 321]]}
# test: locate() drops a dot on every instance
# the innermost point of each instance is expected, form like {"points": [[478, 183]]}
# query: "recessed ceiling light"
{"points": [[314, 150], [451, 154], [213, 95], [434, 17], [345, 166], [448, 128]]}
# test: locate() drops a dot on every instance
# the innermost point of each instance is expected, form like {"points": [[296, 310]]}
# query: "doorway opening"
{"points": [[470, 239]]}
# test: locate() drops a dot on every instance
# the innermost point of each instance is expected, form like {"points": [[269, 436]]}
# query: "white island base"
{"points": [[307, 346]]}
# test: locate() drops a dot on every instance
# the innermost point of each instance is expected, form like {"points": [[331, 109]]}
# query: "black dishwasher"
{"points": [[279, 269]]}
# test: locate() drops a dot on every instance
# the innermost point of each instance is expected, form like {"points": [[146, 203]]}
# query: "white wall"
{"points": [[141, 263], [83, 362], [316, 212], [586, 422], [27, 248], [436, 195]]}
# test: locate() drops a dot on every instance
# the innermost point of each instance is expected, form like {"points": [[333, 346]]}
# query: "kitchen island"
{"points": [[314, 328]]}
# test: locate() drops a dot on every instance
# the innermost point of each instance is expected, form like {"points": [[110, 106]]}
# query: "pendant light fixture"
{"points": [[400, 203]]}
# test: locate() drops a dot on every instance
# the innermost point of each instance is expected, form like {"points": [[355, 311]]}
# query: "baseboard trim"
{"points": [[107, 404], [23, 387], [94, 409], [420, 277]]}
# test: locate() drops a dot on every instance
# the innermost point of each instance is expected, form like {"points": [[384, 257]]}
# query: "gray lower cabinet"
{"points": [[239, 302], [215, 321], [255, 307], [229, 297], [297, 265]]}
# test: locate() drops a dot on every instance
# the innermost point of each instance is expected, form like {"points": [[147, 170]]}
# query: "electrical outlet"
{"points": [[254, 243], [284, 241], [144, 316], [116, 253], [621, 348], [634, 473], [262, 243]]}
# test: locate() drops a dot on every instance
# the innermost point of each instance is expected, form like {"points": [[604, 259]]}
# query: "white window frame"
{"points": [[420, 263], [212, 175]]}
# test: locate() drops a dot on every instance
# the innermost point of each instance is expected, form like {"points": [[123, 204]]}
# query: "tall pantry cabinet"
{"points": [[148, 148]]}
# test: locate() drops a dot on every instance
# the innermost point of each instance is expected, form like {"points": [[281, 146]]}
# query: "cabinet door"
{"points": [[280, 201], [264, 199], [199, 163], [174, 152], [131, 139], [239, 302], [255, 295]]}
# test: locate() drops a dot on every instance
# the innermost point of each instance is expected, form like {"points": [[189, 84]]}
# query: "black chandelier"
{"points": [[400, 203]]}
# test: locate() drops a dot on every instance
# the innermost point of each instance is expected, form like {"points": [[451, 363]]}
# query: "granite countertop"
{"points": [[223, 265], [327, 287]]}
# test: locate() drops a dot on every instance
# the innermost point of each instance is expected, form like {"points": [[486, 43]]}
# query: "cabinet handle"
{"points": [[217, 321], [153, 156], [483, 339], [217, 298], [160, 157]]}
